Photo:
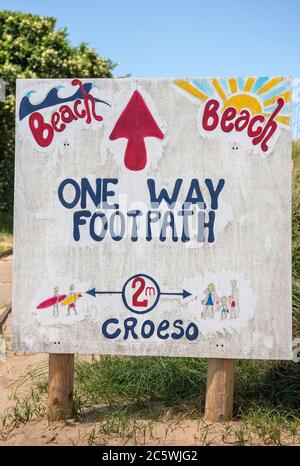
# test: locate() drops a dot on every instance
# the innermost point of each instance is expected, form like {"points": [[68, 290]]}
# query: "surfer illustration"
{"points": [[73, 304], [55, 305], [70, 300], [53, 302]]}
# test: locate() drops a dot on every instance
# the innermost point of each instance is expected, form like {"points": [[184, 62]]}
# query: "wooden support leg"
{"points": [[60, 386], [219, 391]]}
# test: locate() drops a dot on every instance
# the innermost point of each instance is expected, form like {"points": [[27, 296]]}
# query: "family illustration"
{"points": [[69, 301], [220, 308]]}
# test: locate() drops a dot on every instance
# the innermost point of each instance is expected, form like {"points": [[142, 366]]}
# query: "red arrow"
{"points": [[135, 124]]}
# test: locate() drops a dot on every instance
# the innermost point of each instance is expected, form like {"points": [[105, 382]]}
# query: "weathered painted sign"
{"points": [[153, 217]]}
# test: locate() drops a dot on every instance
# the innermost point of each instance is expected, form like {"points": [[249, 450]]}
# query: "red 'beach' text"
{"points": [[43, 132], [259, 128]]}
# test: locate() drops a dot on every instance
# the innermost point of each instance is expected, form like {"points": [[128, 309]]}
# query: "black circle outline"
{"points": [[124, 297]]}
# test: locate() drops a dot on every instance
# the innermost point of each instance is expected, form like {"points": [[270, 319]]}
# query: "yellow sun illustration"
{"points": [[258, 95]]}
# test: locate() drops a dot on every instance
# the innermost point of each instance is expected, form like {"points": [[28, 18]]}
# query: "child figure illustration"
{"points": [[224, 309], [55, 305], [73, 299], [234, 305], [209, 301]]}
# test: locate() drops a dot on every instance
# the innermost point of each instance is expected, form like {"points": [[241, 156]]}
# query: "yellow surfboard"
{"points": [[71, 299]]}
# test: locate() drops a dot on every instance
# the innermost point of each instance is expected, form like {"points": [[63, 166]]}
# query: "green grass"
{"points": [[179, 383], [296, 239], [6, 237], [148, 386], [123, 398], [137, 391], [29, 407]]}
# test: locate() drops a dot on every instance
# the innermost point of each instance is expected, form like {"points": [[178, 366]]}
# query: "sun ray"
{"points": [[281, 119], [257, 94], [273, 82], [219, 89], [224, 84], [275, 91], [190, 89], [248, 85], [233, 85], [205, 86], [241, 83], [285, 95], [284, 119], [259, 82], [285, 111]]}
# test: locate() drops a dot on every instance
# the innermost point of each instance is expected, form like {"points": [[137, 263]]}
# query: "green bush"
{"points": [[31, 47]]}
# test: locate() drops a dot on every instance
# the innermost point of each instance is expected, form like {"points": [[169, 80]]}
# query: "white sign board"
{"points": [[153, 217]]}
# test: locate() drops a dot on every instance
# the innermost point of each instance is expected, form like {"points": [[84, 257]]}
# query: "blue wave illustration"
{"points": [[26, 107]]}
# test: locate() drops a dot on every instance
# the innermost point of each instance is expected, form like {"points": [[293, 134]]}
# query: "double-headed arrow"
{"points": [[94, 293], [184, 294]]}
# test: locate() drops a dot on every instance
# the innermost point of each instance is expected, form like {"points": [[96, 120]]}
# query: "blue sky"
{"points": [[182, 37]]}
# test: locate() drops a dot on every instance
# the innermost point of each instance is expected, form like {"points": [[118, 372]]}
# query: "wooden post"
{"points": [[219, 391], [60, 386]]}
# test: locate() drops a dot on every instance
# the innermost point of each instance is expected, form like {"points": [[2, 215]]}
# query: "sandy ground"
{"points": [[5, 280], [15, 364], [74, 432], [90, 429]]}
